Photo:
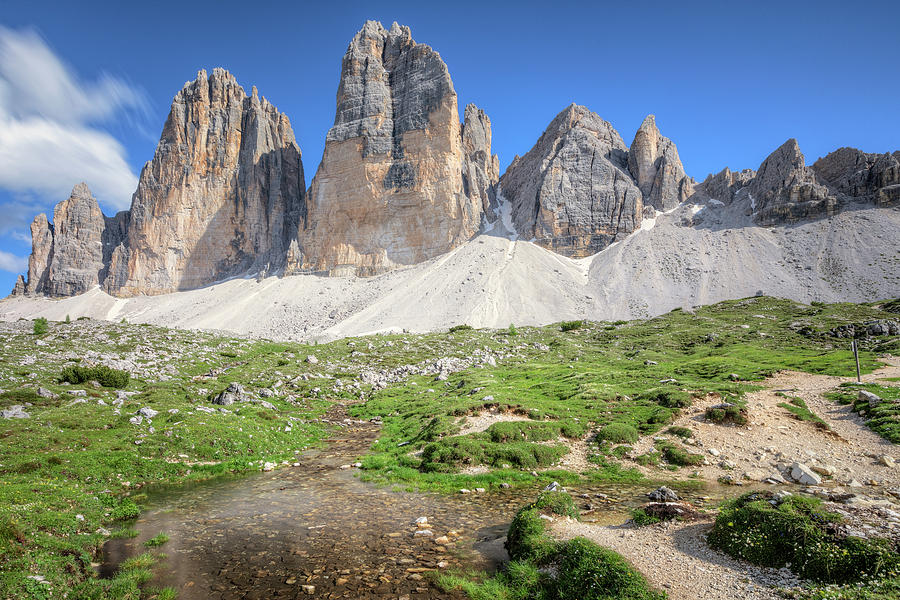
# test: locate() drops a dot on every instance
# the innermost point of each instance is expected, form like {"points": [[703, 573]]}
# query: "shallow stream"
{"points": [[317, 531]]}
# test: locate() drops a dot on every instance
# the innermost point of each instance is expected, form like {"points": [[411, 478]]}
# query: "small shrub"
{"points": [[734, 414], [456, 328], [512, 331], [68, 319], [648, 459], [125, 511], [642, 518], [40, 326], [799, 532], [105, 376], [526, 539], [571, 325], [668, 398], [619, 433], [682, 432], [590, 572], [679, 456]]}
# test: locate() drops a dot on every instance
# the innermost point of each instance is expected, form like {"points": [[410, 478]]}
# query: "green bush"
{"points": [[463, 327], [642, 518], [734, 414], [619, 433], [571, 325], [683, 432], [668, 398], [799, 533], [125, 511], [40, 326], [590, 572], [105, 376], [526, 539], [444, 456], [679, 456]]}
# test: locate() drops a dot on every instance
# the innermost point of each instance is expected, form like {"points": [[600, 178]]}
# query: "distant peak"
{"points": [[81, 190], [649, 123]]}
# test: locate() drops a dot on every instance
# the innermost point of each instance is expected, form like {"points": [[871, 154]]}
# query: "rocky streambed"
{"points": [[316, 530]]}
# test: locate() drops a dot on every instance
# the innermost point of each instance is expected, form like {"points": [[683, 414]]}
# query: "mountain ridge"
{"points": [[401, 182]]}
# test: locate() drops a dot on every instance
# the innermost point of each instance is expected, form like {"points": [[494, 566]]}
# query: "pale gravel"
{"points": [[675, 557], [852, 447], [491, 281]]}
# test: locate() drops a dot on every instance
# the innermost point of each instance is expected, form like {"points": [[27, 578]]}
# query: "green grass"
{"points": [[798, 408], [76, 456], [883, 418], [796, 533], [157, 540]]}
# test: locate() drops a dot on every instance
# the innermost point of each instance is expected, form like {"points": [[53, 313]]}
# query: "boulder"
{"points": [[663, 494], [16, 411], [802, 474], [233, 393]]}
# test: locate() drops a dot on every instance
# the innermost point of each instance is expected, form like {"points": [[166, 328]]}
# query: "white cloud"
{"points": [[12, 263], [49, 140]]}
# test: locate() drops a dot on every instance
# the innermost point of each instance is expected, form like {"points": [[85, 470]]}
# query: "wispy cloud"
{"points": [[12, 263], [49, 134]]}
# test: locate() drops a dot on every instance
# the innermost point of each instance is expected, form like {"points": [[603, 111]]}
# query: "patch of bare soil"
{"points": [[774, 439]]}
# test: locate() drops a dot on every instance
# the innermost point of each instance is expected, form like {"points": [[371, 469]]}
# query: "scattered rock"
{"points": [[804, 475]]}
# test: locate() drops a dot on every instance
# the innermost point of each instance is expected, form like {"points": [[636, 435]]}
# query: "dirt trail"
{"points": [[773, 437], [675, 557]]}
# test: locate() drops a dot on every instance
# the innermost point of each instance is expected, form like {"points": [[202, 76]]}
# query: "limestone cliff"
{"points": [[400, 180], [222, 196], [654, 163], [865, 177], [572, 192], [70, 256]]}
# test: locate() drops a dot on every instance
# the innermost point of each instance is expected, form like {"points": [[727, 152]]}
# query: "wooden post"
{"points": [[856, 356]]}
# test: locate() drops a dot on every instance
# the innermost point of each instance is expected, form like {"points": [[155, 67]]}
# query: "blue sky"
{"points": [[85, 86]]}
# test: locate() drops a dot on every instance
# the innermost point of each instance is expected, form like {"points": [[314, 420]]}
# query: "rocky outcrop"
{"points": [[400, 180], [19, 287], [786, 190], [572, 192], [873, 178], [724, 185], [70, 256], [222, 196], [41, 254], [481, 170], [653, 162]]}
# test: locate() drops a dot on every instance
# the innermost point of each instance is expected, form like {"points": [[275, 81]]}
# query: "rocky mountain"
{"points": [[401, 180], [222, 196], [70, 256], [653, 162], [785, 190]]}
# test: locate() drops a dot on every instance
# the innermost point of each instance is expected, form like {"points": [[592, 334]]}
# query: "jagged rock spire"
{"points": [[654, 163], [572, 191]]}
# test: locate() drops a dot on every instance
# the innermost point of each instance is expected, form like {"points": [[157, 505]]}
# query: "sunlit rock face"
{"points": [[572, 192], [222, 196], [70, 255], [401, 180]]}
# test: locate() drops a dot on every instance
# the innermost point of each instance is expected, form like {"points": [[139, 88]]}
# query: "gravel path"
{"points": [[774, 438], [674, 557]]}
